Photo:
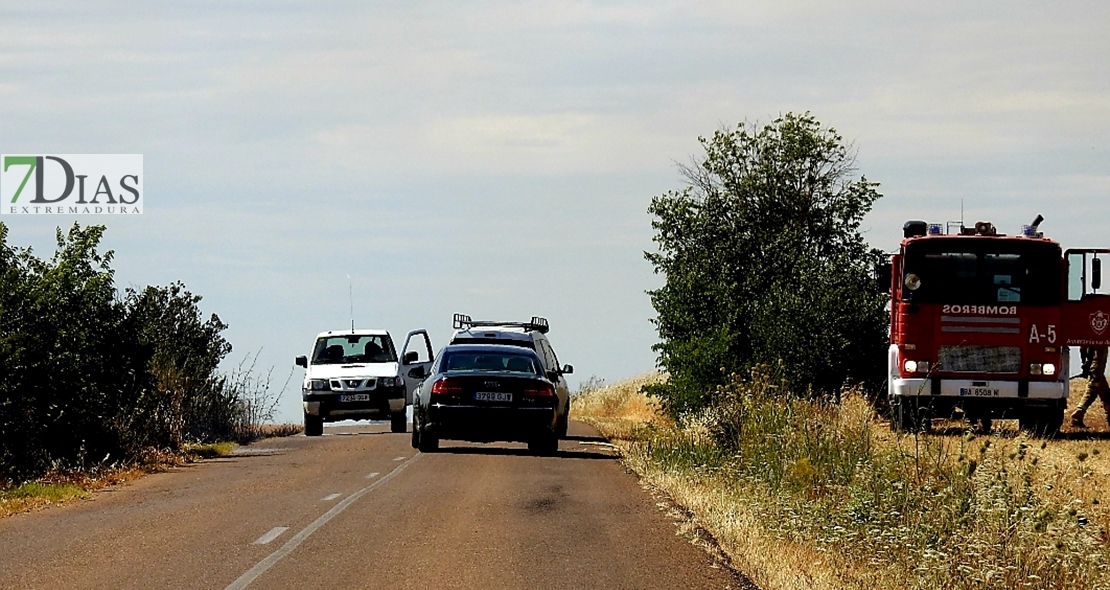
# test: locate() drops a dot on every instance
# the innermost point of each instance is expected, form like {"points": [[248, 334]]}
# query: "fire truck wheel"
{"points": [[1045, 423], [907, 417]]}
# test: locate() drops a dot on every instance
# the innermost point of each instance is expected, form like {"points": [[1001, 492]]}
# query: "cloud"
{"points": [[497, 158]]}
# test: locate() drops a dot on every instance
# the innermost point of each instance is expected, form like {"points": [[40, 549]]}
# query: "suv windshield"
{"points": [[982, 272], [484, 361], [335, 350]]}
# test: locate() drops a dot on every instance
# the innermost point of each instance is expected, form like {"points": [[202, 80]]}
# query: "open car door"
{"points": [[416, 360], [1086, 311]]}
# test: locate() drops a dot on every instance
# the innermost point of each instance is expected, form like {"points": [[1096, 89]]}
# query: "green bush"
{"points": [[88, 376], [765, 265]]}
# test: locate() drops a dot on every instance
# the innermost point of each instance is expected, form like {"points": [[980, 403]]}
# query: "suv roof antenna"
{"points": [[351, 299]]}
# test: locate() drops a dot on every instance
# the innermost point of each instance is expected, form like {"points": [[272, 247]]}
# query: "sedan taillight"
{"points": [[540, 390], [447, 386]]}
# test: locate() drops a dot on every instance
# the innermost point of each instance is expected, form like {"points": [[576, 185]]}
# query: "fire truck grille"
{"points": [[979, 359]]}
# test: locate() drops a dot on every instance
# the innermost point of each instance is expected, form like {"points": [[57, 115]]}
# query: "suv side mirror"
{"points": [[417, 372], [1096, 274], [410, 357], [302, 361], [567, 369]]}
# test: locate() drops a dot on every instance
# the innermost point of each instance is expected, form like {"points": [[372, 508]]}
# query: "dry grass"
{"points": [[861, 507], [619, 410], [279, 430], [63, 487]]}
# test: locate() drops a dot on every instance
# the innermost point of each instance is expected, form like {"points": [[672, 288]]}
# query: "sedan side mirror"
{"points": [[302, 361], [410, 357], [417, 372], [567, 369]]}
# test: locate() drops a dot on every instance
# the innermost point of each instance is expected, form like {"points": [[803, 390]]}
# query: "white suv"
{"points": [[531, 334], [355, 375]]}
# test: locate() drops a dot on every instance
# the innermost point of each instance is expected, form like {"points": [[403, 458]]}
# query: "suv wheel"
{"points": [[398, 422], [313, 425]]}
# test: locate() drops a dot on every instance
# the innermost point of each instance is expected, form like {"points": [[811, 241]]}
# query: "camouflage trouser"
{"points": [[1096, 386]]}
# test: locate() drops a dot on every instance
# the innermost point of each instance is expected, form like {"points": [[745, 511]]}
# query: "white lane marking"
{"points": [[252, 574], [270, 535], [372, 475], [399, 458], [330, 497]]}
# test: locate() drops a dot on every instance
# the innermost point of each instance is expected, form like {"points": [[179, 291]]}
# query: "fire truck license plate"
{"points": [[979, 391]]}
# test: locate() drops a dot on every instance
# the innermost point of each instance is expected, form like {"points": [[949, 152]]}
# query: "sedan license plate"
{"points": [[355, 397], [979, 391], [493, 396]]}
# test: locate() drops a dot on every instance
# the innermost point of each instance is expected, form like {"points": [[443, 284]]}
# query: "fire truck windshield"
{"points": [[982, 272]]}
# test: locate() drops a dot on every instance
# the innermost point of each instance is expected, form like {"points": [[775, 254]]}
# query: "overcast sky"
{"points": [[497, 158]]}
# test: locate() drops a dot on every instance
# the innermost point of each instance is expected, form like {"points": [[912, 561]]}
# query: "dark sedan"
{"points": [[487, 393]]}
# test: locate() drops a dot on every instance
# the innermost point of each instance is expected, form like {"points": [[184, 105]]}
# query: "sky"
{"points": [[498, 158]]}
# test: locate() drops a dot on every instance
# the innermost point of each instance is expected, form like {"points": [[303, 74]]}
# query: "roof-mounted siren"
{"points": [[1030, 231], [914, 228], [936, 229], [985, 228]]}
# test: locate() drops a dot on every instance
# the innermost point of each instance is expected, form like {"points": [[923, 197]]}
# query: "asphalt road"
{"points": [[359, 508]]}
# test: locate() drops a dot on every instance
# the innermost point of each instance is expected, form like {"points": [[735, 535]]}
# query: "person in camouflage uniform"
{"points": [[1094, 368]]}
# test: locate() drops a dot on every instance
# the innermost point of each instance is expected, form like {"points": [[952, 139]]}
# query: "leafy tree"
{"points": [[87, 376], [765, 265]]}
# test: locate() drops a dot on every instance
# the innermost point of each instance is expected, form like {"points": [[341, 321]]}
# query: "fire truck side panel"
{"points": [[1087, 322]]}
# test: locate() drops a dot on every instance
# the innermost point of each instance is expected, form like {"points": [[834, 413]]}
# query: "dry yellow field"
{"points": [[1024, 512]]}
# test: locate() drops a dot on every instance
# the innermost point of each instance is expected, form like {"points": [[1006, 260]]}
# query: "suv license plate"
{"points": [[493, 396], [355, 397], [979, 391]]}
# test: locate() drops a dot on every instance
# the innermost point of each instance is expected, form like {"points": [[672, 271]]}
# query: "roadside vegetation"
{"points": [[810, 493], [97, 383], [765, 265], [768, 426]]}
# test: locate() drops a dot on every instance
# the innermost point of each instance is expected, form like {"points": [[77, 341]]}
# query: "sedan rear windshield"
{"points": [[336, 350], [483, 361]]}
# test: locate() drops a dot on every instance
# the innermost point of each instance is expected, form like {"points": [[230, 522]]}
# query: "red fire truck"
{"points": [[981, 324]]}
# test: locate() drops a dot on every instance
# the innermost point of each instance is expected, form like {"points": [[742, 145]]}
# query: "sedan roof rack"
{"points": [[538, 324]]}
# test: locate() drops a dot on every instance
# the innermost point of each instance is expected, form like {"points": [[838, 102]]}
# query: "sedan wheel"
{"points": [[429, 443], [545, 444]]}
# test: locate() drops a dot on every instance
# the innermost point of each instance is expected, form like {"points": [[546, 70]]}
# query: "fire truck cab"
{"points": [[981, 324]]}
